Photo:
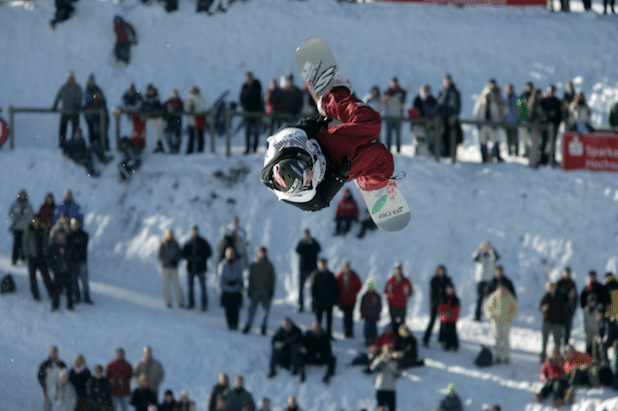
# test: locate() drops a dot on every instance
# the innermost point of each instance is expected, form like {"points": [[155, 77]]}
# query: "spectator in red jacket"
{"points": [[119, 373], [347, 213], [449, 314], [125, 38], [577, 367], [47, 211], [398, 291], [349, 287], [551, 375]]}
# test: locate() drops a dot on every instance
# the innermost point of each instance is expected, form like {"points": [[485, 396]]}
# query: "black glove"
{"points": [[344, 170]]}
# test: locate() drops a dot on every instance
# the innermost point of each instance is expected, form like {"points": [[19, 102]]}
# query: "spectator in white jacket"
{"points": [[385, 381], [196, 123], [489, 108], [485, 258]]}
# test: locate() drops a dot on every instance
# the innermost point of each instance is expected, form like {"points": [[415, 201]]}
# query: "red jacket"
{"points": [[576, 360], [552, 369], [372, 163], [384, 339], [124, 32], [347, 207], [47, 215], [398, 292], [348, 296], [449, 310], [119, 374]]}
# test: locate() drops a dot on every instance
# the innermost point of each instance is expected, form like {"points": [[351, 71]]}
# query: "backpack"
{"points": [[7, 285], [484, 358]]}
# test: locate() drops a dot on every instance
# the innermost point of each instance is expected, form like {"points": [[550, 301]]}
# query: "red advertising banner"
{"points": [[516, 3], [595, 152]]}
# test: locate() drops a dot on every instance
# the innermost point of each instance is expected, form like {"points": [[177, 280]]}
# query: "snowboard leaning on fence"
{"points": [[316, 63]]}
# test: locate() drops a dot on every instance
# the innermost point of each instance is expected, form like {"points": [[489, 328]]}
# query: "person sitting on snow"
{"points": [[308, 163]]}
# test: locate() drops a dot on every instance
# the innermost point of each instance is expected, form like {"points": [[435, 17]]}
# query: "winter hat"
{"points": [[397, 265], [169, 392], [609, 277], [371, 284], [184, 393], [452, 388]]}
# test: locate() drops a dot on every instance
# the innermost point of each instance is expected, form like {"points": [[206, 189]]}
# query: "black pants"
{"points": [[480, 294], [62, 280], [201, 277], [451, 341], [348, 320], [287, 356], [122, 50], [35, 264], [252, 134], [195, 136], [606, 3], [386, 399], [343, 225], [433, 314], [64, 120], [17, 253], [232, 303], [331, 362], [556, 386], [319, 311], [302, 279]]}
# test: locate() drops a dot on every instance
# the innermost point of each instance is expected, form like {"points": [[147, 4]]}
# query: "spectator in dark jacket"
{"points": [[554, 310], [594, 287], [568, 290], [307, 249], [70, 95], [437, 294], [316, 349], [261, 288], [552, 108], [61, 265], [251, 102], [405, 350], [370, 309], [131, 102], [169, 256], [79, 376], [143, 395], [169, 403], [173, 129], [76, 150], [119, 373], [78, 241], [99, 391], [152, 110], [64, 11], [125, 38], [131, 158], [325, 293], [197, 251], [95, 99], [34, 247], [219, 390], [289, 99], [349, 284], [500, 278], [238, 398], [285, 348], [449, 106]]}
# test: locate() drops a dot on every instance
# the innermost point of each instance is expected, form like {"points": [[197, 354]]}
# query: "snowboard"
{"points": [[317, 66]]}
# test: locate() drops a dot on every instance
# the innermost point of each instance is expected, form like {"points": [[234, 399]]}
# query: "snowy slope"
{"points": [[530, 215]]}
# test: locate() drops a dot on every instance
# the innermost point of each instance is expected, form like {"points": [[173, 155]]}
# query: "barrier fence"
{"points": [[434, 128]]}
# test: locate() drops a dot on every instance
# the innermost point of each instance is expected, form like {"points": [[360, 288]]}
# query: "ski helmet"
{"points": [[291, 175]]}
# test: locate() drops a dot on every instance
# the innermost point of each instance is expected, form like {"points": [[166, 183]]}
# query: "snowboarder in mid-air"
{"points": [[308, 163]]}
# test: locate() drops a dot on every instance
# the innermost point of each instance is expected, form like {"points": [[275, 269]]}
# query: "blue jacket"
{"points": [[230, 274], [73, 210], [510, 114]]}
